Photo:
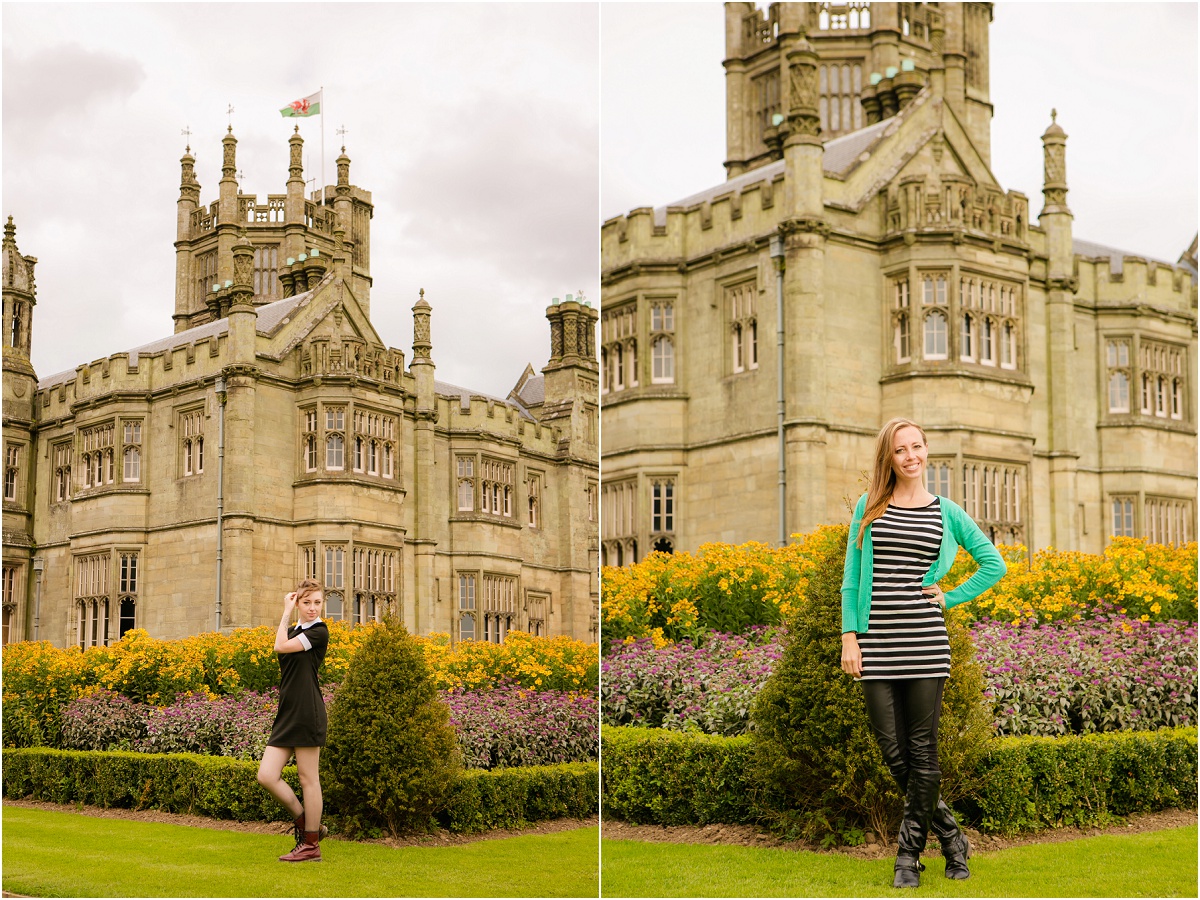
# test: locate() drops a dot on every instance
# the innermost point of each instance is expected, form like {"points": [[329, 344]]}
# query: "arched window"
{"points": [[618, 368], [333, 605], [18, 314], [359, 453], [1161, 402], [968, 337], [128, 617], [605, 375], [310, 453], [466, 627], [935, 335], [738, 363], [334, 452], [632, 358], [664, 360], [1118, 393], [1177, 399], [133, 464], [987, 352], [903, 343]]}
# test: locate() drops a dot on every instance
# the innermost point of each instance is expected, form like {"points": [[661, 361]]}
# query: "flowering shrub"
{"points": [[1150, 582], [1105, 674], [513, 726], [507, 726], [682, 687], [731, 588], [724, 588], [1101, 675], [40, 679]]}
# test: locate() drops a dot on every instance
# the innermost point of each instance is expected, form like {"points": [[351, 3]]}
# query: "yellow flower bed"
{"points": [[1152, 582], [730, 588], [40, 679], [722, 588]]}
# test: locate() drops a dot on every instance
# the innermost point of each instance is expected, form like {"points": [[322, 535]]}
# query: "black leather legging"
{"points": [[904, 715]]}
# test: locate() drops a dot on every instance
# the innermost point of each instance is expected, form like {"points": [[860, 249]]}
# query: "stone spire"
{"points": [[1054, 163], [20, 296], [422, 345], [803, 151]]}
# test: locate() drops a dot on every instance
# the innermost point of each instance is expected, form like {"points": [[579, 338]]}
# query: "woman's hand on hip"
{"points": [[935, 595], [851, 655]]}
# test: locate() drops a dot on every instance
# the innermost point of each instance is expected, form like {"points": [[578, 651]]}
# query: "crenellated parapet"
{"points": [[472, 413], [1112, 279]]}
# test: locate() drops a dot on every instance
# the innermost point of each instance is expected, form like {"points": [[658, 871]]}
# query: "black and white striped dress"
{"points": [[906, 633]]}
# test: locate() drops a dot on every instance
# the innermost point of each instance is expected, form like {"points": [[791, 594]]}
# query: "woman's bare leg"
{"points": [[307, 761], [269, 772]]}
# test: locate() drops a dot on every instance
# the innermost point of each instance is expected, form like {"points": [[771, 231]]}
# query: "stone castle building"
{"points": [[862, 262], [189, 483]]}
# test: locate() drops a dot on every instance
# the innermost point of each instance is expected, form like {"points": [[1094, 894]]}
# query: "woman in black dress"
{"points": [[903, 540], [300, 723]]}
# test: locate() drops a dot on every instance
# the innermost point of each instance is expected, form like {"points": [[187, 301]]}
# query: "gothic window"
{"points": [[497, 478], [662, 505], [310, 440], [1168, 520], [266, 273], [534, 500], [766, 100], [132, 451], [335, 580], [374, 583], [1008, 346], [840, 106], [933, 290], [987, 349], [1162, 379], [192, 436], [618, 522], [535, 605], [206, 276], [1118, 376], [127, 591], [901, 338], [359, 453], [937, 477], [1122, 516], [308, 562], [992, 497], [335, 438], [499, 607], [12, 468], [662, 341], [593, 498], [92, 599], [11, 581], [935, 335], [969, 326], [466, 483], [466, 607], [61, 453], [618, 352], [18, 313], [741, 303], [96, 445]]}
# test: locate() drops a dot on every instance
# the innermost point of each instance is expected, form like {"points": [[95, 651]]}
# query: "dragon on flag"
{"points": [[304, 107]]}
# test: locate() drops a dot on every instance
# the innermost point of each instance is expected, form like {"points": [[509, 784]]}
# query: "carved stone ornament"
{"points": [[243, 269], [421, 328], [556, 339], [1056, 163], [803, 79]]}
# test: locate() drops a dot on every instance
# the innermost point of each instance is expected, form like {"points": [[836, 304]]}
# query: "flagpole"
{"points": [[321, 180]]}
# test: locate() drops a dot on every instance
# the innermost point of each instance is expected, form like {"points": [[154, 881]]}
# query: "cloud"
{"points": [[65, 80]]}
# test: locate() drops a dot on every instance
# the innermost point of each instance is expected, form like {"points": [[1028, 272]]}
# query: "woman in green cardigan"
{"points": [[903, 540]]}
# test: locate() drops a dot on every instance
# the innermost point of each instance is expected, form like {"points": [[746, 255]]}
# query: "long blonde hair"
{"points": [[883, 476]]}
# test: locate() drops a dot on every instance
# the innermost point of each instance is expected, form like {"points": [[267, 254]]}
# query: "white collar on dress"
{"points": [[308, 625]]}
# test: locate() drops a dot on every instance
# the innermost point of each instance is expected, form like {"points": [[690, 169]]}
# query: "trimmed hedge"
{"points": [[652, 776], [224, 788]]}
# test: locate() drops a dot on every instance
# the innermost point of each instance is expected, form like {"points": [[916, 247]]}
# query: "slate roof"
{"points": [[1115, 256], [841, 153], [270, 317]]}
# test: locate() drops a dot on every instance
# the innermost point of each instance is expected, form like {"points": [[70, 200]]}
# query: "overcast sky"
{"points": [[1122, 76], [475, 127]]}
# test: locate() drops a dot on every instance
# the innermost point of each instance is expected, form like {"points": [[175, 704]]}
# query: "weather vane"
{"points": [[342, 134], [186, 131], [229, 112]]}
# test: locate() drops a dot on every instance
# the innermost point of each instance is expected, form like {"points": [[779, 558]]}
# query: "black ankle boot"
{"points": [[907, 872], [955, 847], [956, 850]]}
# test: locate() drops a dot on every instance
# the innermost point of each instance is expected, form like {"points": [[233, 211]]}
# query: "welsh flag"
{"points": [[305, 106]]}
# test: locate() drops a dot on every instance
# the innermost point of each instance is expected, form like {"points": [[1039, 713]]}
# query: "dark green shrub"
{"points": [[1030, 783], [510, 798], [816, 764], [391, 758], [104, 721], [657, 777], [227, 788]]}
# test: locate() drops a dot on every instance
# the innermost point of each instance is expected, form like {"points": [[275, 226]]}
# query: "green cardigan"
{"points": [[957, 529]]}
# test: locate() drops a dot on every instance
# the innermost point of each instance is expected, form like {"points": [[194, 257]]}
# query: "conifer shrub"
{"points": [[816, 766], [390, 758]]}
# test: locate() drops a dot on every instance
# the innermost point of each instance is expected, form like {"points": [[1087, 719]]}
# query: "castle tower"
{"points": [[20, 383], [873, 58], [291, 236]]}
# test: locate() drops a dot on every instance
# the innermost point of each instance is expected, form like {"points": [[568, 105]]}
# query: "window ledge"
{"points": [[1138, 420], [386, 484], [486, 519], [648, 392]]}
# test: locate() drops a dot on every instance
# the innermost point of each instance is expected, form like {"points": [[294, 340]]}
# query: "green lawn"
{"points": [[56, 854], [1152, 864]]}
